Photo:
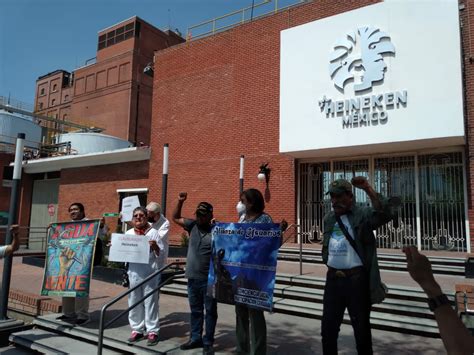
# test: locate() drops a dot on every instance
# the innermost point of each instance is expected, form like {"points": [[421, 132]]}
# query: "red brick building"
{"points": [[112, 92], [225, 95]]}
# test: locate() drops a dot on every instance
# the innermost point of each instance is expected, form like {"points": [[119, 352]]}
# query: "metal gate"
{"points": [[431, 187], [45, 193]]}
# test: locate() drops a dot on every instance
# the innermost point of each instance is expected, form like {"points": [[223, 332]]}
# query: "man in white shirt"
{"points": [[162, 225], [144, 318]]}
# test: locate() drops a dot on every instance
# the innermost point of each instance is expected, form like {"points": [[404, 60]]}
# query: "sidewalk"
{"points": [[286, 334]]}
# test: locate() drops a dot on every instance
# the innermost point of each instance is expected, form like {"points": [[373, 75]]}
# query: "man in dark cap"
{"points": [[197, 269], [349, 250]]}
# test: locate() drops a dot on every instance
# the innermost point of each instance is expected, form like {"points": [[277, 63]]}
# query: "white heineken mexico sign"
{"points": [[386, 75], [358, 58]]}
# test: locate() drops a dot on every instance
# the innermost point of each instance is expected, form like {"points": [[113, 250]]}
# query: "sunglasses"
{"points": [[138, 215]]}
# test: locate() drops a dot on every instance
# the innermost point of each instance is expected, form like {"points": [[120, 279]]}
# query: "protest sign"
{"points": [[129, 248], [69, 258], [128, 205], [243, 263]]}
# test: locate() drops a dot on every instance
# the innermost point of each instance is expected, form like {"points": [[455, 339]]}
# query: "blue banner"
{"points": [[243, 263]]}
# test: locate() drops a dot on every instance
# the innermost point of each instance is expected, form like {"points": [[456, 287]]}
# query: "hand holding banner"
{"points": [[243, 263], [69, 256]]}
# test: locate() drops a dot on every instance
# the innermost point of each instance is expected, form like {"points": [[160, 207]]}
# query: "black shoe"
{"points": [[208, 350], [66, 318], [191, 345]]}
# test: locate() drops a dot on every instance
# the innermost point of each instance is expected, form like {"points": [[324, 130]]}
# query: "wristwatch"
{"points": [[437, 301]]}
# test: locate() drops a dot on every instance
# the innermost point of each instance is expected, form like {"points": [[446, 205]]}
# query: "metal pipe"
{"points": [[241, 175], [417, 203], [12, 219], [164, 188]]}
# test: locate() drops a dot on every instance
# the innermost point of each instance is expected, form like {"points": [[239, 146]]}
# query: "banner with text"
{"points": [[243, 263], [69, 258]]}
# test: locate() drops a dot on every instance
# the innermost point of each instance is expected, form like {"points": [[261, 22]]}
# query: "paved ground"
{"points": [[286, 334]]}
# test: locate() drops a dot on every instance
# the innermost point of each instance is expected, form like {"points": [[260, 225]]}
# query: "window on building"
{"points": [[40, 105], [118, 35], [42, 91], [53, 102], [55, 87], [66, 97]]}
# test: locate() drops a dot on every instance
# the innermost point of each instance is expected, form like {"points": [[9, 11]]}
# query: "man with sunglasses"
{"points": [[144, 317], [197, 269]]}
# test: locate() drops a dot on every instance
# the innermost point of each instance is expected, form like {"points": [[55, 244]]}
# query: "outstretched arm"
{"points": [[456, 337], [15, 242], [177, 218]]}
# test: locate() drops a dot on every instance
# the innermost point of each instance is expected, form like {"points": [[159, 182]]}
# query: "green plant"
{"points": [[184, 240]]}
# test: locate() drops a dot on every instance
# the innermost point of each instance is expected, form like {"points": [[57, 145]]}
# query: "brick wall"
{"points": [[32, 304], [217, 98], [467, 26], [96, 188]]}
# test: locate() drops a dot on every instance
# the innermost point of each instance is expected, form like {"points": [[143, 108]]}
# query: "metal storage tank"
{"points": [[83, 143], [11, 124]]}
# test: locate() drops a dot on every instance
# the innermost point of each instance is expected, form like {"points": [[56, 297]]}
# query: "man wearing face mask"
{"points": [[349, 250], [197, 270]]}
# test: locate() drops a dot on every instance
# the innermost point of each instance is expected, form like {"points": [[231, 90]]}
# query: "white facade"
{"points": [[421, 71]]}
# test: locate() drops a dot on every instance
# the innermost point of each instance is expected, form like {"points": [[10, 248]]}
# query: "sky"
{"points": [[40, 36]]}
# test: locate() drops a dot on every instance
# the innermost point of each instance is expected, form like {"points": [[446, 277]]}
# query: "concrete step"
{"points": [[378, 320], [113, 341], [405, 309], [440, 265], [49, 342], [396, 318], [396, 292], [389, 306]]}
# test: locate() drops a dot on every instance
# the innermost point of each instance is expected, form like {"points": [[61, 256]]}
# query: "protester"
{"points": [[9, 249], [76, 309], [197, 269], [160, 223], [144, 318], [456, 338], [253, 339], [349, 251]]}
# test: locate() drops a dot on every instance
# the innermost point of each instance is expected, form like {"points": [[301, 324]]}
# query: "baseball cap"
{"points": [[204, 208], [339, 186]]}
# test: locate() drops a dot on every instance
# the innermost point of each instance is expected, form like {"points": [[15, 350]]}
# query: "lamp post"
{"points": [[164, 186], [241, 175], [15, 189]]}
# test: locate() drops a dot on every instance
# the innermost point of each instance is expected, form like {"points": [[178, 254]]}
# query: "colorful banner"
{"points": [[243, 263], [69, 258]]}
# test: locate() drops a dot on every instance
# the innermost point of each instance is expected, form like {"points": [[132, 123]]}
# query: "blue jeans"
{"points": [[198, 300]]}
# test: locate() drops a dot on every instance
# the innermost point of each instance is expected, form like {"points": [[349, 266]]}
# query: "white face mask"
{"points": [[240, 208]]}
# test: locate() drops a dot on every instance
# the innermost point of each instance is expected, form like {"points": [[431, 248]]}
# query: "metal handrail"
{"points": [[126, 293], [298, 233], [216, 28]]}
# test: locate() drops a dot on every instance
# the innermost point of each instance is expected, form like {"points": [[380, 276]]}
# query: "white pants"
{"points": [[76, 306], [143, 317]]}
